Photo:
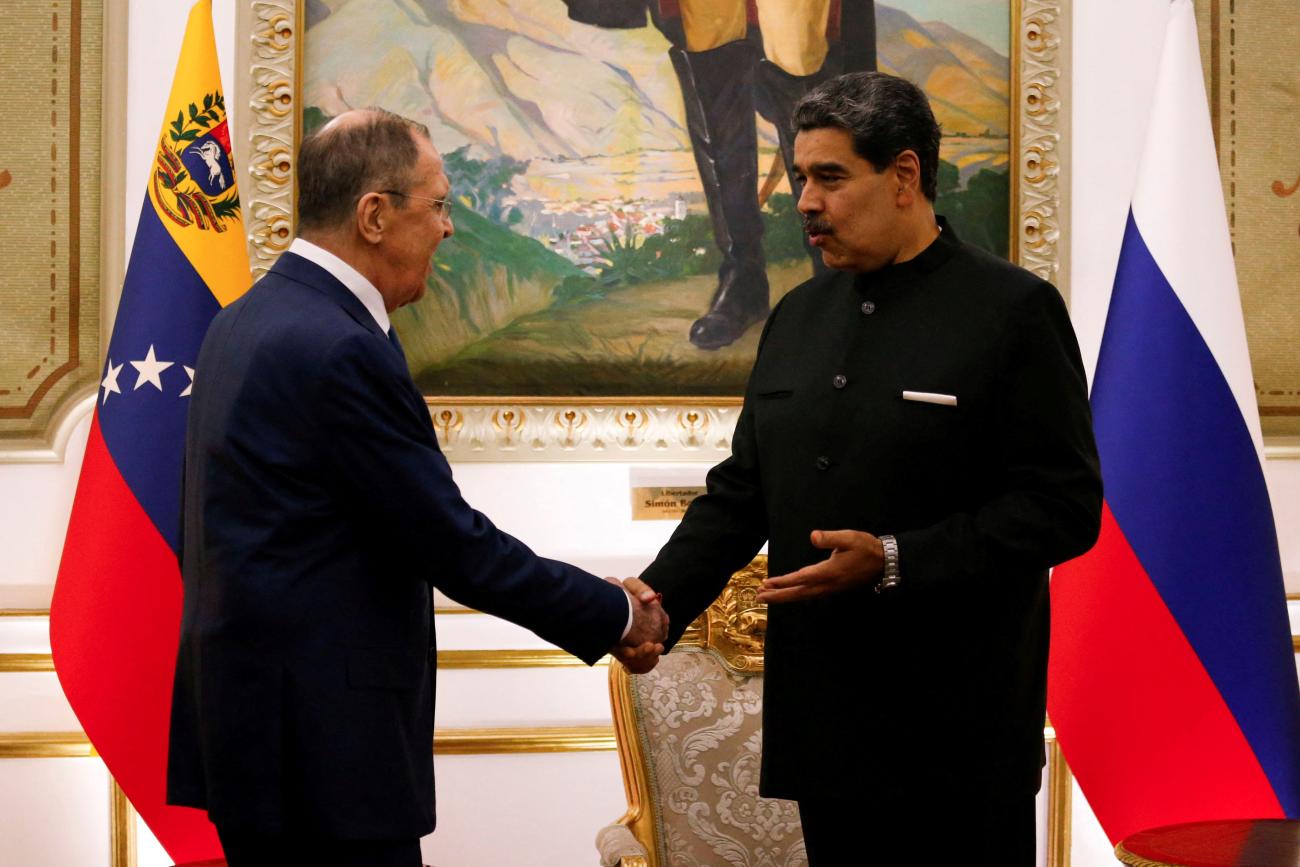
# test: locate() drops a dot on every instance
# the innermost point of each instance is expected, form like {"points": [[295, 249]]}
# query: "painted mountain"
{"points": [[521, 79]]}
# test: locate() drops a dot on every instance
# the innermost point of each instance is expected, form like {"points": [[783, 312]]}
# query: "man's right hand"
{"points": [[642, 646]]}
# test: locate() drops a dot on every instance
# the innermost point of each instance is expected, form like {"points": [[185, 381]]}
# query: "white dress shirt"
{"points": [[350, 277]]}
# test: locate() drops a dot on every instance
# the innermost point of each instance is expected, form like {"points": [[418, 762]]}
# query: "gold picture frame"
{"points": [[650, 428]]}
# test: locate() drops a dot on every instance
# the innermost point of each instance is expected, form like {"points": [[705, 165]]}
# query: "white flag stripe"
{"points": [[1178, 207]]}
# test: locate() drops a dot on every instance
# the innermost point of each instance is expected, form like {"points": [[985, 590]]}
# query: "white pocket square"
{"points": [[931, 397]]}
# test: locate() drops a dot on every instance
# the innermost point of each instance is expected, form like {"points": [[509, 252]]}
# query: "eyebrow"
{"points": [[825, 167]]}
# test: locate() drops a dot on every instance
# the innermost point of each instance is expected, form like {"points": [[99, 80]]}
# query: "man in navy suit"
{"points": [[318, 514]]}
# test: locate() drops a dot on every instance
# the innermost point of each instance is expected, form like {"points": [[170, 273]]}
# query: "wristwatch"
{"points": [[890, 577]]}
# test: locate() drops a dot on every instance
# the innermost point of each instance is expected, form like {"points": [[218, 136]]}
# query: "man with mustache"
{"points": [[916, 449]]}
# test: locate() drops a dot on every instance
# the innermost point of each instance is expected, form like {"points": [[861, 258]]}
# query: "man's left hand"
{"points": [[857, 560]]}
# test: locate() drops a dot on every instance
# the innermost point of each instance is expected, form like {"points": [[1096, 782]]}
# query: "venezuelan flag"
{"points": [[1171, 682], [115, 616]]}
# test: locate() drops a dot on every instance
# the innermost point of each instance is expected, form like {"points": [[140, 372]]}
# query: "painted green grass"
{"points": [[631, 341]]}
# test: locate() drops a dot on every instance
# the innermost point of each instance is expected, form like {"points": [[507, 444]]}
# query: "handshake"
{"points": [[643, 644]]}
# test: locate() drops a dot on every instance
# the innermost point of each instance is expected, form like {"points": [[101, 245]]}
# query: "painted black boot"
{"points": [[718, 89]]}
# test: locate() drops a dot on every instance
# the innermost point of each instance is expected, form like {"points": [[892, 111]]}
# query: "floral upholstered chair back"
{"points": [[689, 739]]}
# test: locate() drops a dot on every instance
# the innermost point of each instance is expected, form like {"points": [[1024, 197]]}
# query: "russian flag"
{"points": [[1172, 685], [115, 615]]}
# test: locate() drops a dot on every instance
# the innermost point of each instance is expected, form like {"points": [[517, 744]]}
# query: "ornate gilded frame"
{"points": [[645, 428]]}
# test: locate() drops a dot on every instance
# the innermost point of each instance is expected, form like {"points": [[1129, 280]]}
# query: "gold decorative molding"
{"points": [[633, 428], [121, 827], [45, 745], [1060, 789], [541, 658], [276, 40], [541, 429], [17, 662], [24, 612], [493, 741], [446, 742], [447, 659], [735, 625], [1036, 139]]}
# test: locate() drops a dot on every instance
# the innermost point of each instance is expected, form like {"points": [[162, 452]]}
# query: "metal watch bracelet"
{"points": [[890, 577]]}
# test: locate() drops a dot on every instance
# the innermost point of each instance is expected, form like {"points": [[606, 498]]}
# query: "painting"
{"points": [[50, 96], [1255, 107], [618, 171], [623, 209]]}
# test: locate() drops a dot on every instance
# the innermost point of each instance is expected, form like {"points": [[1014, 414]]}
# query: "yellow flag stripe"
{"points": [[209, 230]]}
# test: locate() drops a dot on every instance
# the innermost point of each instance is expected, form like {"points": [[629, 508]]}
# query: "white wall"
{"points": [[577, 511]]}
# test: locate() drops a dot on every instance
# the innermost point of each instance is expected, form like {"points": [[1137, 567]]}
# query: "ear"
{"points": [[371, 217], [907, 170]]}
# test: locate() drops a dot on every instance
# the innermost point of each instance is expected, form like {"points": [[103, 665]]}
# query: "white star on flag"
{"points": [[190, 387], [150, 370], [110, 381]]}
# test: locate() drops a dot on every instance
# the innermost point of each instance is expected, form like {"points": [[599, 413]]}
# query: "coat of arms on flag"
{"points": [[194, 183]]}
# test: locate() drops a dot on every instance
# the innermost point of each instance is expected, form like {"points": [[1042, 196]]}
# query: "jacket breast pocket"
{"points": [[386, 667]]}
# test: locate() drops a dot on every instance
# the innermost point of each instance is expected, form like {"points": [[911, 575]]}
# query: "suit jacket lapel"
{"points": [[294, 267]]}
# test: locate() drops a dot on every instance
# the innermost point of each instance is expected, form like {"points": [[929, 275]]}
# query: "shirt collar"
{"points": [[350, 277]]}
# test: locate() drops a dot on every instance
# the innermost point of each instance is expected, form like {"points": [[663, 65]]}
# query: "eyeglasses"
{"points": [[440, 207]]}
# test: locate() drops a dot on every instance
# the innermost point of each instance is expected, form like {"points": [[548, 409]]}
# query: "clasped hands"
{"points": [[641, 648], [857, 559]]}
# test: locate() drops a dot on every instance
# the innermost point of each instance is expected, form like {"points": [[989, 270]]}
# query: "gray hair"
{"points": [[339, 163], [884, 114]]}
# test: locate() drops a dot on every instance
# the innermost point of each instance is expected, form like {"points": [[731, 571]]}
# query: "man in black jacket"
{"points": [[916, 449]]}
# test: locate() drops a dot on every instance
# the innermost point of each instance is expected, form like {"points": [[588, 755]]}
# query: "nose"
{"points": [[809, 202], [448, 227]]}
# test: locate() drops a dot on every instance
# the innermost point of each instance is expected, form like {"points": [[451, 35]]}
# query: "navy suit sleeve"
{"points": [[1046, 504], [382, 452]]}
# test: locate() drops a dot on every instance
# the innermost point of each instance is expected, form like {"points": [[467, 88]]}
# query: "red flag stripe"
{"points": [[1140, 721], [127, 620]]}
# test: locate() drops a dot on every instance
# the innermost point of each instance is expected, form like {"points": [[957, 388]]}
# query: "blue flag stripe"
{"points": [[166, 305]]}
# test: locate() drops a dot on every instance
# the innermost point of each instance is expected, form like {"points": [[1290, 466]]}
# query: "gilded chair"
{"points": [[689, 736]]}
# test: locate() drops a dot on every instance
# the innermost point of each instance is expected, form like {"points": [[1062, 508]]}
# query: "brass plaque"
{"points": [[663, 503]]}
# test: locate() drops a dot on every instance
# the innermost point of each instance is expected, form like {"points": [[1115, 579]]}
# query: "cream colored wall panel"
{"points": [[483, 632], [53, 813], [490, 698], [34, 702], [34, 511], [148, 851], [523, 811], [24, 635]]}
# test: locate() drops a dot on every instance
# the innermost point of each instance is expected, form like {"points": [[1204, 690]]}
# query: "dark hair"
{"points": [[884, 114], [339, 163]]}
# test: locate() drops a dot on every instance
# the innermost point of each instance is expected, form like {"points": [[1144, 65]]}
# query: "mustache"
{"points": [[816, 226]]}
